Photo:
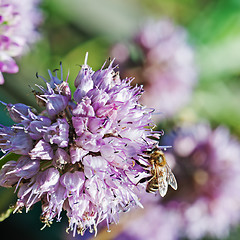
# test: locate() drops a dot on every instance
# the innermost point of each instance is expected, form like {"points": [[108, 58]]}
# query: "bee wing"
{"points": [[171, 179], [162, 181], [162, 186]]}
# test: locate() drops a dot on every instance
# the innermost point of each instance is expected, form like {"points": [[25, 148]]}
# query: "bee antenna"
{"points": [[153, 149]]}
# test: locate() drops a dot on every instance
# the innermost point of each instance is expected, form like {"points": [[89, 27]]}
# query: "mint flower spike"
{"points": [[79, 155]]}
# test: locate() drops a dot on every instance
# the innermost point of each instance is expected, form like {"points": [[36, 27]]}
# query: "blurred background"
{"points": [[187, 55]]}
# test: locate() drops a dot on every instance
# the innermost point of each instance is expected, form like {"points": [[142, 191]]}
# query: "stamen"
{"points": [[50, 74], [43, 99], [40, 87], [17, 127], [18, 184], [61, 71], [5, 104], [68, 75], [86, 58], [42, 78]]}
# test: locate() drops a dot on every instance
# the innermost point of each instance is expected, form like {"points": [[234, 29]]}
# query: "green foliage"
{"points": [[6, 214]]}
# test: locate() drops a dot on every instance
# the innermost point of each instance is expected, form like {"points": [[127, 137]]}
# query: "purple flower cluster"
{"points": [[79, 153], [207, 165], [167, 66], [18, 20]]}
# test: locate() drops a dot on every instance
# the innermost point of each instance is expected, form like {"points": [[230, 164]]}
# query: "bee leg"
{"points": [[146, 170], [145, 179], [140, 164], [145, 157]]}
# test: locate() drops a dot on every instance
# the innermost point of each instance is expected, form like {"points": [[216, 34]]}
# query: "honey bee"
{"points": [[161, 174]]}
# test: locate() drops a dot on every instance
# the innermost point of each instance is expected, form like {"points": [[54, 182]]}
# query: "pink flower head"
{"points": [[166, 68], [83, 149], [18, 20]]}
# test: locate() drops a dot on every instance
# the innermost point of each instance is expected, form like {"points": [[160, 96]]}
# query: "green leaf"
{"points": [[211, 59], [114, 19], [7, 200], [6, 214], [218, 102], [8, 157]]}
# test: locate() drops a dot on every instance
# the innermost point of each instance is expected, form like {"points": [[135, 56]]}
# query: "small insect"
{"points": [[161, 174]]}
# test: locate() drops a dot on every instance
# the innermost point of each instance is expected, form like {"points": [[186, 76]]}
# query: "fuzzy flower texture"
{"points": [[166, 66], [18, 20], [79, 153]]}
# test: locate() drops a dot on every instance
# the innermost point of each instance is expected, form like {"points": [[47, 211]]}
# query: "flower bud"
{"points": [[73, 181], [18, 112]]}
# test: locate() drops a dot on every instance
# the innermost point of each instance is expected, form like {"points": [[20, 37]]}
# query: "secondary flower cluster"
{"points": [[207, 165], [165, 65], [79, 153], [18, 20]]}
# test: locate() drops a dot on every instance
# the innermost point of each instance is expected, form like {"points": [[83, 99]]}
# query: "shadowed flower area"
{"points": [[166, 67], [79, 153], [208, 171], [18, 20]]}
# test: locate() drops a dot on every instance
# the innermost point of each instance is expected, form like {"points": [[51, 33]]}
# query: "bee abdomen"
{"points": [[152, 187]]}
